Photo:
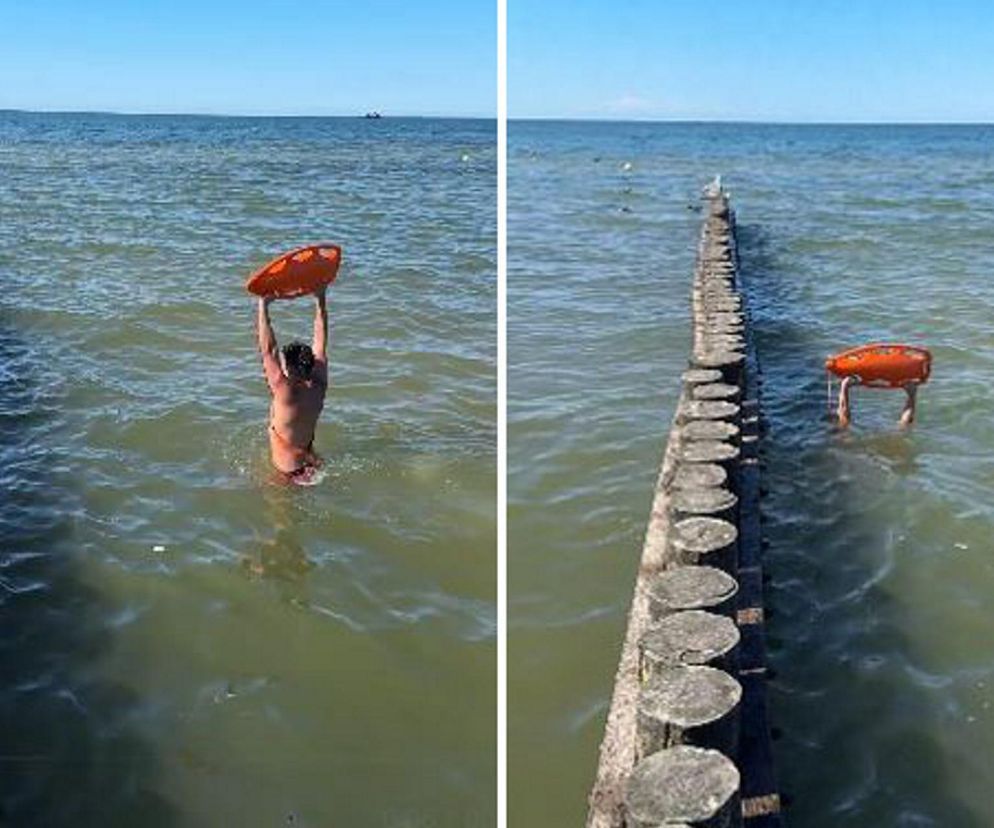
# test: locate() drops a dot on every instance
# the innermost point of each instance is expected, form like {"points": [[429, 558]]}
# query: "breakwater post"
{"points": [[687, 740]]}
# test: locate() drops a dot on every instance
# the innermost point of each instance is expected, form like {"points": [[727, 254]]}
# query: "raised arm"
{"points": [[320, 343], [267, 346]]}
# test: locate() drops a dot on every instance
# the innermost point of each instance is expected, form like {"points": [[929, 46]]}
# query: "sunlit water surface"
{"points": [[184, 642], [881, 543]]}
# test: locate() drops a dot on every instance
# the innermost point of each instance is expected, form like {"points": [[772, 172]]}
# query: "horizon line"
{"points": [[740, 121], [135, 113], [532, 118]]}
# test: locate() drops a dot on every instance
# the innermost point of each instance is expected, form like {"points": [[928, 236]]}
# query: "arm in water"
{"points": [[267, 346], [843, 412], [908, 413], [320, 342]]}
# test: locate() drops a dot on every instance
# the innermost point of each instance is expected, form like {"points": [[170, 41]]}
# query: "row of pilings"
{"points": [[687, 740]]}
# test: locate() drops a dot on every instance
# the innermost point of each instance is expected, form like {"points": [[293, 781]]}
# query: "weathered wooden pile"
{"points": [[687, 740]]}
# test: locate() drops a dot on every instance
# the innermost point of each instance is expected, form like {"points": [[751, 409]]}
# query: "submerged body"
{"points": [[298, 381]]}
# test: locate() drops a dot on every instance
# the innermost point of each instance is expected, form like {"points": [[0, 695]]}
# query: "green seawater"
{"points": [[881, 555], [184, 642]]}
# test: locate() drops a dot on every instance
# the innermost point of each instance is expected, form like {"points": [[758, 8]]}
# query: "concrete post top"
{"points": [[708, 410], [699, 475], [708, 451], [682, 784], [689, 697], [703, 534], [712, 358], [728, 317], [709, 500], [709, 430], [693, 587], [717, 391], [701, 376], [688, 638]]}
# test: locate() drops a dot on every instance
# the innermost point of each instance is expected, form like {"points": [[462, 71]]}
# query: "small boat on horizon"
{"points": [[373, 114]]}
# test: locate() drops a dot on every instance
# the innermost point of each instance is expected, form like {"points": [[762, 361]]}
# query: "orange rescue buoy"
{"points": [[297, 273], [883, 364]]}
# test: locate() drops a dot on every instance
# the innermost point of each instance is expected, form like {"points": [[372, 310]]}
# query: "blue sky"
{"points": [[766, 60], [435, 57]]}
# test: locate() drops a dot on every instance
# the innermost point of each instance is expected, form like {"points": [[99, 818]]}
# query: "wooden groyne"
{"points": [[687, 740]]}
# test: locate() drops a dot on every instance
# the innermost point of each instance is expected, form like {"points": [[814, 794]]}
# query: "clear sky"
{"points": [[311, 57], [765, 60]]}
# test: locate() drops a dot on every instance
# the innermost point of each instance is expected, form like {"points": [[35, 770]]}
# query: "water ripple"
{"points": [[148, 554], [880, 542]]}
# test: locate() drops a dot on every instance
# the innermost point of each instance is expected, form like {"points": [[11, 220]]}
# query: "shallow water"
{"points": [[880, 555], [186, 642]]}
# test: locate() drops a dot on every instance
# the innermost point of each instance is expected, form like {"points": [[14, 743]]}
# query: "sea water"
{"points": [[183, 640], [881, 552]]}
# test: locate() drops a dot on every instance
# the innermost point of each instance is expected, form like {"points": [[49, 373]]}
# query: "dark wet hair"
{"points": [[299, 359]]}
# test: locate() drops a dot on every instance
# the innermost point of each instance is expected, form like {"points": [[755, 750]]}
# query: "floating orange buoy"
{"points": [[883, 364], [297, 272]]}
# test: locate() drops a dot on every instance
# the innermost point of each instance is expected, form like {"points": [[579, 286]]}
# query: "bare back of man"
{"points": [[298, 381]]}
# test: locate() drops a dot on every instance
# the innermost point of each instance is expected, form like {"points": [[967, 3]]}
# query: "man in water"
{"points": [[907, 414], [298, 380]]}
